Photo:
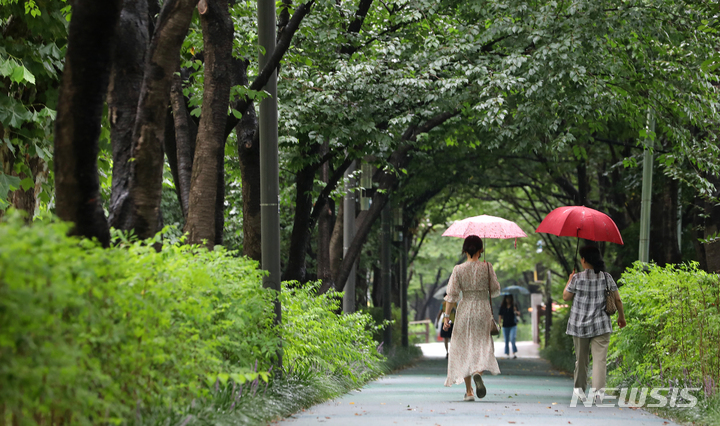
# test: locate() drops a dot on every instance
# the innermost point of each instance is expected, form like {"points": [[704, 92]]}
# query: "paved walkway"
{"points": [[527, 392]]}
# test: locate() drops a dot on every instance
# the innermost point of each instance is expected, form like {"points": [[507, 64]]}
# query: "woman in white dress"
{"points": [[472, 351]]}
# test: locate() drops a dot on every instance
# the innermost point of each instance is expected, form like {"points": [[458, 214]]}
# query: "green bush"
{"points": [[89, 334], [673, 317], [672, 335], [314, 335]]}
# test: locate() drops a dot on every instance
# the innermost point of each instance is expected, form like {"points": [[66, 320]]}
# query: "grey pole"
{"points": [[269, 170], [348, 235], [403, 291], [679, 217], [385, 266], [644, 252]]}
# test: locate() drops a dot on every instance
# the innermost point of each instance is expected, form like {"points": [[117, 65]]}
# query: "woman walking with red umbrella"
{"points": [[589, 323]]}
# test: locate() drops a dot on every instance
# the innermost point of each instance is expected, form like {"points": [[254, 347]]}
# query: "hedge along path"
{"points": [[529, 391]]}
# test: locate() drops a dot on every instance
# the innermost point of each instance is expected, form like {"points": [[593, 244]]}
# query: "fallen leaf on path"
{"points": [[352, 403], [327, 417], [554, 403], [517, 409]]}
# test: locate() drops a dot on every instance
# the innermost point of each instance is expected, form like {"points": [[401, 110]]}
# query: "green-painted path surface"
{"points": [[528, 392]]}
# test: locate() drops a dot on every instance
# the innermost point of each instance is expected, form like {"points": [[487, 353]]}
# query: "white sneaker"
{"points": [[577, 392]]}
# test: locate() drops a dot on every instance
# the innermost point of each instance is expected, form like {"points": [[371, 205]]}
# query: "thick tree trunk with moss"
{"points": [[139, 209], [217, 37], [80, 106]]}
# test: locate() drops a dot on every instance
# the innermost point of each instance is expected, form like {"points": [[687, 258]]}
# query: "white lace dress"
{"points": [[471, 349]]}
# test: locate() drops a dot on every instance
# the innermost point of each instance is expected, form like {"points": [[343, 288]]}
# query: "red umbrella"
{"points": [[581, 222]]}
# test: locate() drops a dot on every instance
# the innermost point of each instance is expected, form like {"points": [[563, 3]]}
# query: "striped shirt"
{"points": [[587, 315]]}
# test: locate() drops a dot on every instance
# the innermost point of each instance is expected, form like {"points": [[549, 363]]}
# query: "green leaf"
{"points": [[21, 74], [8, 183], [7, 67], [27, 183]]}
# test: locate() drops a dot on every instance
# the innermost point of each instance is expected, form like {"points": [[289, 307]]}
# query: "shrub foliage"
{"points": [[89, 334], [131, 335], [673, 331]]}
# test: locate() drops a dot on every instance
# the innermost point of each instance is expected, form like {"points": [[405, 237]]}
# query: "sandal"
{"points": [[480, 389]]}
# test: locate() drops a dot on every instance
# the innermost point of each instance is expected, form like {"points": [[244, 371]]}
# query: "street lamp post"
{"points": [[385, 260], [348, 235], [646, 201], [269, 170]]}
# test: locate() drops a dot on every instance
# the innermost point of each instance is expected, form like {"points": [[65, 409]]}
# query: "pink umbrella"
{"points": [[485, 226]]}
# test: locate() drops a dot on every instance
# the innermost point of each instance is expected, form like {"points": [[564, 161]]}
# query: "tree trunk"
{"points": [[669, 244], [698, 231], [126, 80], [248, 147], [376, 293], [217, 37], [27, 199], [220, 196], [300, 237], [80, 105], [143, 212], [185, 136], [307, 214], [325, 226], [712, 228], [336, 245], [361, 288]]}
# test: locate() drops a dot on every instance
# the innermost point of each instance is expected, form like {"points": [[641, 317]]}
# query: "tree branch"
{"points": [[281, 47]]}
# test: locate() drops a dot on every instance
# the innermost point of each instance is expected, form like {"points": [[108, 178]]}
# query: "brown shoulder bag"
{"points": [[610, 307]]}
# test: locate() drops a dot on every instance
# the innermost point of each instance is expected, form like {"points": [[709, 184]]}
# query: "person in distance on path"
{"points": [[472, 351], [446, 334], [509, 315]]}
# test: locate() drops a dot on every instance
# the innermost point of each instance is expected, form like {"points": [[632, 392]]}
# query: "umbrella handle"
{"points": [[577, 248]]}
